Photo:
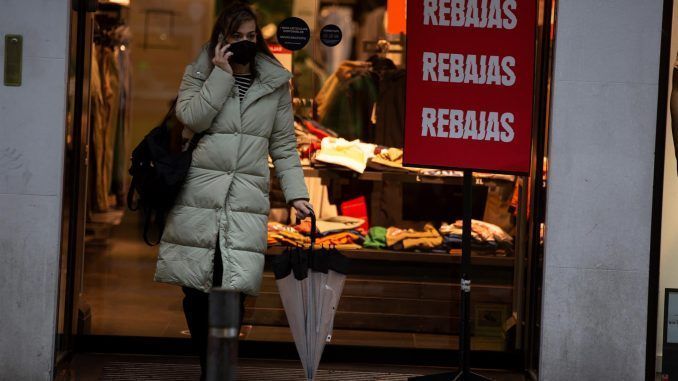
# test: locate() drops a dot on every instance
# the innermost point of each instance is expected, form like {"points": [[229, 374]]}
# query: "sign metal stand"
{"points": [[464, 373]]}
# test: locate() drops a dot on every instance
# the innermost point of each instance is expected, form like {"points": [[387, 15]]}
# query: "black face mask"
{"points": [[243, 51]]}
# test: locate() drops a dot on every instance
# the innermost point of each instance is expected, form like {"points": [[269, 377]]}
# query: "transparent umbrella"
{"points": [[310, 282]]}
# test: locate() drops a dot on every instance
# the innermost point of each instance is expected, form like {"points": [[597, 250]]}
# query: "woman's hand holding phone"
{"points": [[221, 56]]}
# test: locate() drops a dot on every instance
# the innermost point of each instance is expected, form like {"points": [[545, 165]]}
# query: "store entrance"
{"points": [[400, 226]]}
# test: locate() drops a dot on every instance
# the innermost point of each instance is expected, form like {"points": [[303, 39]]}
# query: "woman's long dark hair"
{"points": [[230, 20]]}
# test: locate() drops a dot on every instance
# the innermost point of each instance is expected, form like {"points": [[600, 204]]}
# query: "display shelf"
{"points": [[414, 256], [403, 177]]}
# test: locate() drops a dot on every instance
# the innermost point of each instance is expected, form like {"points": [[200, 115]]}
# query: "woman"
{"points": [[238, 95]]}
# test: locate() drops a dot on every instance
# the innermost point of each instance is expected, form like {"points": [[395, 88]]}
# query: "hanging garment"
{"points": [[346, 102], [225, 198], [345, 71], [343, 18], [390, 127], [120, 179], [98, 123], [111, 86]]}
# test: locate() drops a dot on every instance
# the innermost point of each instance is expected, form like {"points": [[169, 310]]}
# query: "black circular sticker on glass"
{"points": [[330, 35], [293, 33]]}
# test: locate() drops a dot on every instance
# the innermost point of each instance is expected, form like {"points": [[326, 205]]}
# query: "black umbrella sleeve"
{"points": [[291, 261], [299, 260]]}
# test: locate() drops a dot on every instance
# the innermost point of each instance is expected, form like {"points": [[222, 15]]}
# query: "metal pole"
{"points": [[465, 284], [464, 373], [222, 338]]}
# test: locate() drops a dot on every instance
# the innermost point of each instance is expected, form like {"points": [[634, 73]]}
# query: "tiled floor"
{"points": [[125, 301]]}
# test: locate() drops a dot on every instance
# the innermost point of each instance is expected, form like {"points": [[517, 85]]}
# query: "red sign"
{"points": [[278, 49], [470, 76]]}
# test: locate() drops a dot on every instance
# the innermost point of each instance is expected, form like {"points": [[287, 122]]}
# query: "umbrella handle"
{"points": [[314, 229]]}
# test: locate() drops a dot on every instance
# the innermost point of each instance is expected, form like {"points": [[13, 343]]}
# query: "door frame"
{"points": [[658, 191], [75, 180]]}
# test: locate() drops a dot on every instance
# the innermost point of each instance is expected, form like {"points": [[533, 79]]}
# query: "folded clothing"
{"points": [[343, 238], [279, 234], [412, 239], [376, 238], [454, 242], [331, 225], [390, 159], [484, 235], [353, 155]]}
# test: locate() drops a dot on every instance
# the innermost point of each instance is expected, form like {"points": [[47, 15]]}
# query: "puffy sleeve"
{"points": [[283, 150], [202, 96]]}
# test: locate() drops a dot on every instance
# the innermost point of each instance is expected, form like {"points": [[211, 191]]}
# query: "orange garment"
{"points": [[343, 238], [286, 235]]}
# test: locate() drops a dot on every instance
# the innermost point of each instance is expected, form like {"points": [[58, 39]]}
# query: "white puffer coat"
{"points": [[225, 199]]}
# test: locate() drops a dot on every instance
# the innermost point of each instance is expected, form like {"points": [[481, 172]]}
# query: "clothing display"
{"points": [[224, 200], [345, 71], [98, 199], [298, 236], [483, 234], [412, 239], [110, 82], [343, 238], [376, 238], [389, 159], [329, 131], [347, 100], [353, 155], [331, 225], [120, 177], [280, 234]]}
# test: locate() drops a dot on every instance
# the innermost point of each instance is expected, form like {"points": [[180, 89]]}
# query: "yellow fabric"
{"points": [[412, 237], [353, 155]]}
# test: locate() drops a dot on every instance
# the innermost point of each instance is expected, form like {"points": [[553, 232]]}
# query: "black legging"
{"points": [[196, 304]]}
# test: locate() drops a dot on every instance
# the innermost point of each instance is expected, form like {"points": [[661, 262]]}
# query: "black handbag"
{"points": [[158, 168]]}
